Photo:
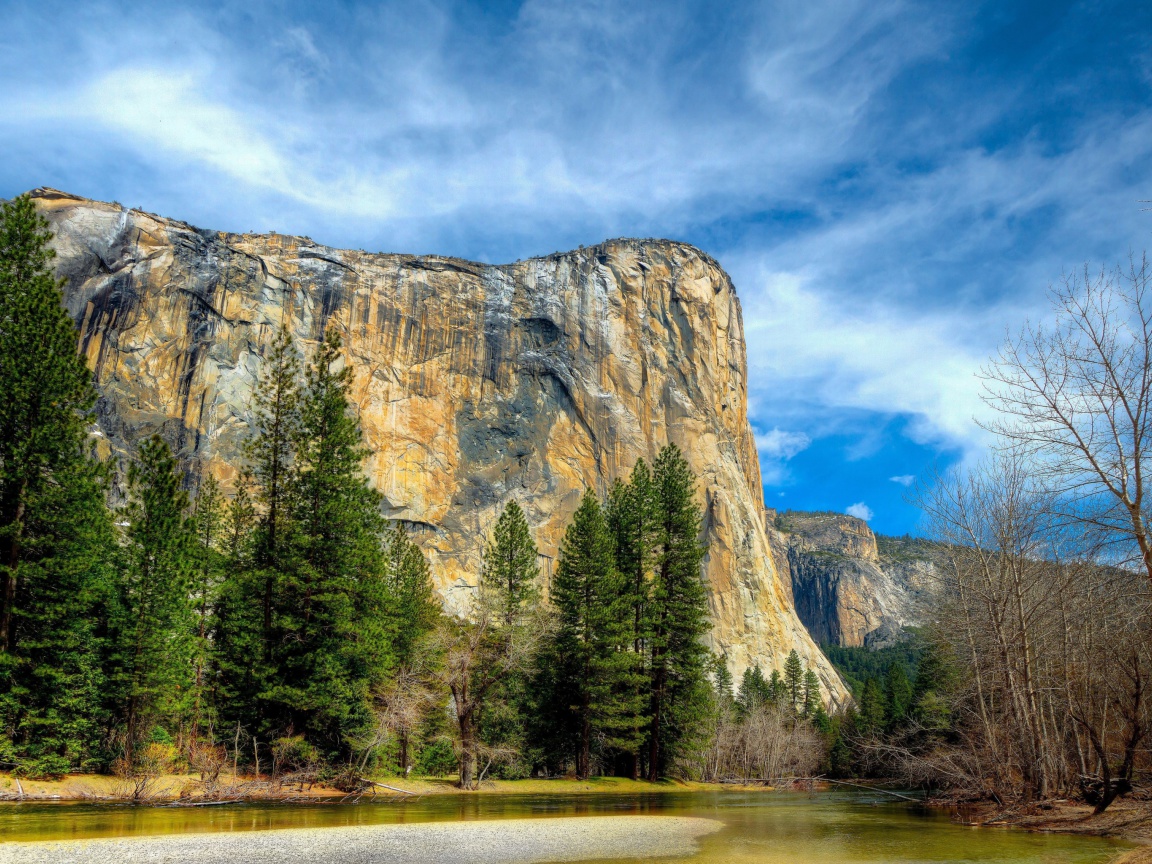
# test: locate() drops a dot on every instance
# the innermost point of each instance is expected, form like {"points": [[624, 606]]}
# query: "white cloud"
{"points": [[775, 448], [860, 510], [904, 479]]}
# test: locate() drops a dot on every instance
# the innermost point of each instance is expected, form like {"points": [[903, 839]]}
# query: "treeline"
{"points": [[291, 629]]}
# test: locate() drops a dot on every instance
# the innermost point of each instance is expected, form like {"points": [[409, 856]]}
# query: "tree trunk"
{"points": [[467, 752]]}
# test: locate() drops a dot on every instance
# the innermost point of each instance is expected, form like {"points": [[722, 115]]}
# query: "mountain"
{"points": [[476, 384], [850, 587]]}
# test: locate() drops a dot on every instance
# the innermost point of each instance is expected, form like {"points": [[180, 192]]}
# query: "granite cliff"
{"points": [[850, 587], [475, 384]]}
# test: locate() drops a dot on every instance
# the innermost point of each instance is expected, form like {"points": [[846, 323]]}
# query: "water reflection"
{"points": [[838, 827]]}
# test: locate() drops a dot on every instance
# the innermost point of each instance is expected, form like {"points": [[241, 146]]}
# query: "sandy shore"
{"points": [[505, 841]]}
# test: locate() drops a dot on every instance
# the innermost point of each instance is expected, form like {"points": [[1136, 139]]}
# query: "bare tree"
{"points": [[1076, 399]]}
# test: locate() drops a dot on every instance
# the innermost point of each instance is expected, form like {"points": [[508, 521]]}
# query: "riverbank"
{"points": [[174, 788], [1125, 819], [520, 840]]}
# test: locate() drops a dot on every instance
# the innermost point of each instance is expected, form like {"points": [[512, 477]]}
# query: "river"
{"points": [[836, 827]]}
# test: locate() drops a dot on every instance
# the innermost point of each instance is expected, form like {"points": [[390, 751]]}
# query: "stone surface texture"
{"points": [[849, 587], [475, 384]]}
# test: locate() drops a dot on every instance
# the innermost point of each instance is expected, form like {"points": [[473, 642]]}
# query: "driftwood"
{"points": [[385, 786]]}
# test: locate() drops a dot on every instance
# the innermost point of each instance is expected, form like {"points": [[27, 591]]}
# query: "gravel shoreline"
{"points": [[503, 841]]}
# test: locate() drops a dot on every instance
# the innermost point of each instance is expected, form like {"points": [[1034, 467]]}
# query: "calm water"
{"points": [[837, 827]]}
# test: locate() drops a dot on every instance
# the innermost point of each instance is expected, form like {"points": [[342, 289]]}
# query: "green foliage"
{"points": [[597, 684], [794, 680], [872, 710], [859, 664], [897, 694], [678, 615], [810, 700], [154, 621], [754, 691], [511, 568]]}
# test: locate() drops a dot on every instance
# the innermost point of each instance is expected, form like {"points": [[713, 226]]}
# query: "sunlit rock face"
{"points": [[849, 587], [475, 384]]}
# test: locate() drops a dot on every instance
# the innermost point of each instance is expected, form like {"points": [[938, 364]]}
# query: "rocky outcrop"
{"points": [[475, 384], [849, 587]]}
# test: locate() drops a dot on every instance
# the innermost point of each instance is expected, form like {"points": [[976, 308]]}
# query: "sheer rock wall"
{"points": [[475, 384]]}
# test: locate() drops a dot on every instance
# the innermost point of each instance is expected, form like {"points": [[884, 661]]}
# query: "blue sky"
{"points": [[891, 184]]}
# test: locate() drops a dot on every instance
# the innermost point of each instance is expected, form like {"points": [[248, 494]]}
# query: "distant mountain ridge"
{"points": [[851, 587]]}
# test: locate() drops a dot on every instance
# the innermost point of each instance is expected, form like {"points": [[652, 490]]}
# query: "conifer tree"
{"points": [[631, 514], [45, 389], [156, 622], [754, 691], [272, 451], [679, 614], [897, 693], [594, 685], [208, 523], [56, 537], [794, 680], [413, 605], [811, 699], [870, 717], [334, 607], [511, 568]]}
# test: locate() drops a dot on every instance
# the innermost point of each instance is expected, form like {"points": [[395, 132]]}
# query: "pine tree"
{"points": [[156, 622], [334, 606], [511, 567], [897, 693], [722, 682], [811, 698], [631, 514], [754, 692], [413, 604], [871, 716], [56, 537], [272, 451], [679, 614], [45, 389], [590, 636], [208, 523], [794, 680]]}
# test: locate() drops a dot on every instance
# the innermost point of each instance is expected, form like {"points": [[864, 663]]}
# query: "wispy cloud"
{"points": [[888, 189], [860, 510], [905, 480]]}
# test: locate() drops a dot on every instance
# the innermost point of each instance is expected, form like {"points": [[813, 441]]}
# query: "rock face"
{"points": [[475, 384], [849, 587]]}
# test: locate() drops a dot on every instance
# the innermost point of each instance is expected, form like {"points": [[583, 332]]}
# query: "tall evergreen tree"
{"points": [[679, 614], [55, 534], [591, 638], [272, 451], [333, 609], [631, 514], [155, 622], [45, 388], [794, 680], [511, 568], [754, 691], [897, 693], [510, 593], [811, 699], [208, 522]]}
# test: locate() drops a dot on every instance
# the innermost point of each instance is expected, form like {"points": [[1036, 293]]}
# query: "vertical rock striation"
{"points": [[475, 384], [849, 587]]}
